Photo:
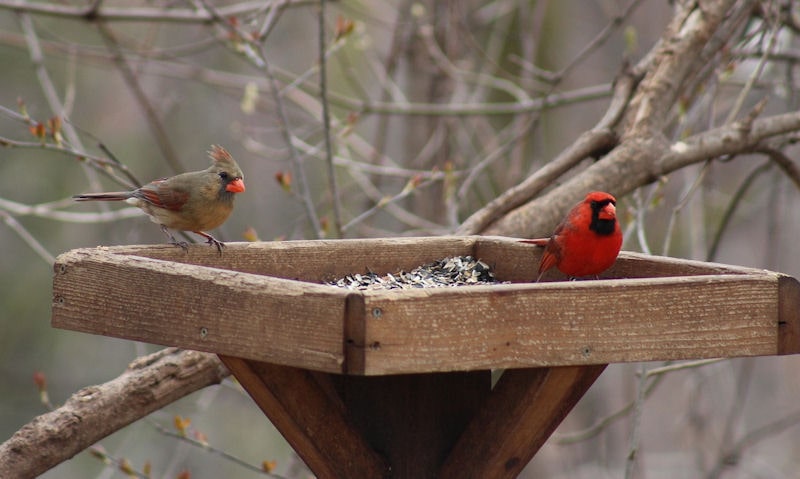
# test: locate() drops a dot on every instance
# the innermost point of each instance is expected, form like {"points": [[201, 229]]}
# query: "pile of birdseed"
{"points": [[445, 273]]}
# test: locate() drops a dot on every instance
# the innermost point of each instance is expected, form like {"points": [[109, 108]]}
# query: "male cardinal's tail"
{"points": [[113, 196], [536, 241]]}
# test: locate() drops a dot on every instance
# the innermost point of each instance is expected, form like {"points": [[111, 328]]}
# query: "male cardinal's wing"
{"points": [[551, 256], [163, 195], [552, 251]]}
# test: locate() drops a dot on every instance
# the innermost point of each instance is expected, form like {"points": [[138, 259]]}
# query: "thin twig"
{"points": [[686, 196], [326, 123], [636, 426], [656, 375], [733, 205], [762, 62], [681, 366], [46, 211], [157, 127], [28, 238], [98, 452], [734, 417], [101, 165], [641, 210], [407, 190], [275, 11], [600, 38], [789, 168], [207, 447], [280, 110], [37, 58], [768, 430], [141, 14], [587, 144]]}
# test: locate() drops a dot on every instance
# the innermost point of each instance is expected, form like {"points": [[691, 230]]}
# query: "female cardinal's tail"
{"points": [[112, 196]]}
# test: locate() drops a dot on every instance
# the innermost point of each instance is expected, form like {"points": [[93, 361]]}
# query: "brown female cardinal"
{"points": [[194, 201]]}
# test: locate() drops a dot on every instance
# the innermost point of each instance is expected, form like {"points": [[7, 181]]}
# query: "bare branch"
{"points": [[739, 137], [283, 119], [643, 141], [592, 142], [26, 236], [47, 210], [149, 383], [37, 58], [157, 127], [133, 14], [326, 121]]}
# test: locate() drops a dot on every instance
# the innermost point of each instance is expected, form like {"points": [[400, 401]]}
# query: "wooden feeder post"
{"points": [[397, 384]]}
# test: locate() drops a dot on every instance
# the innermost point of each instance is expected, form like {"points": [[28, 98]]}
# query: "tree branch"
{"points": [[94, 412], [643, 140], [144, 14]]}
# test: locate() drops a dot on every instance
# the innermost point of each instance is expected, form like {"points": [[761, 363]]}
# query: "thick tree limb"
{"points": [[697, 31], [739, 137], [594, 142], [94, 412]]}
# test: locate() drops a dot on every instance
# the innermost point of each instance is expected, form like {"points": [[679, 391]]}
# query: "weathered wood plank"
{"points": [[523, 410], [320, 260], [571, 323], [314, 260], [313, 422], [207, 309], [518, 262]]}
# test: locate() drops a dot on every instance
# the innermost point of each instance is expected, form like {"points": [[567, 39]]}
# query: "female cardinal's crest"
{"points": [[220, 154]]}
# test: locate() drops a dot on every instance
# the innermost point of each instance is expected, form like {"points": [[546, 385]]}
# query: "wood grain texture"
{"points": [[571, 323], [314, 260], [525, 407], [517, 262], [247, 303], [206, 309], [314, 422]]}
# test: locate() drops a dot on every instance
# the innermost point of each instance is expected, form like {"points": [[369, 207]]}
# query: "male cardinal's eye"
{"points": [[223, 175]]}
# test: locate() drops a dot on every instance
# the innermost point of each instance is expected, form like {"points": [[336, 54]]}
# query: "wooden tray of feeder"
{"points": [[265, 301], [397, 383]]}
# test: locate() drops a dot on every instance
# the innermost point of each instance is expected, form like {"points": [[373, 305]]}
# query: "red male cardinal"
{"points": [[586, 242], [194, 201]]}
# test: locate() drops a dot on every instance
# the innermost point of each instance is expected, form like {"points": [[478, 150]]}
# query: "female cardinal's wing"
{"points": [[162, 194]]}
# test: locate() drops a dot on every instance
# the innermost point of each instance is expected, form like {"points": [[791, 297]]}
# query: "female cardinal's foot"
{"points": [[181, 244], [211, 240]]}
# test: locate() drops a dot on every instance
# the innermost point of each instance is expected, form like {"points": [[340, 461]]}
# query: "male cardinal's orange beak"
{"points": [[235, 186], [609, 212]]}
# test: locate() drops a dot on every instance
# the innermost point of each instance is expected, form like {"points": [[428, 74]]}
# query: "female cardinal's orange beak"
{"points": [[235, 186]]}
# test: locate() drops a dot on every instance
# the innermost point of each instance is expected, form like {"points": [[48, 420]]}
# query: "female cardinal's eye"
{"points": [[223, 175]]}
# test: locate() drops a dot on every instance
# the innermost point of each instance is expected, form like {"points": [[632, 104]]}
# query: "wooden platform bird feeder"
{"points": [[397, 383]]}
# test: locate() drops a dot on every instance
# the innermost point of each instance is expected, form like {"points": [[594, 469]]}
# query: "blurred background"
{"points": [[435, 109]]}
